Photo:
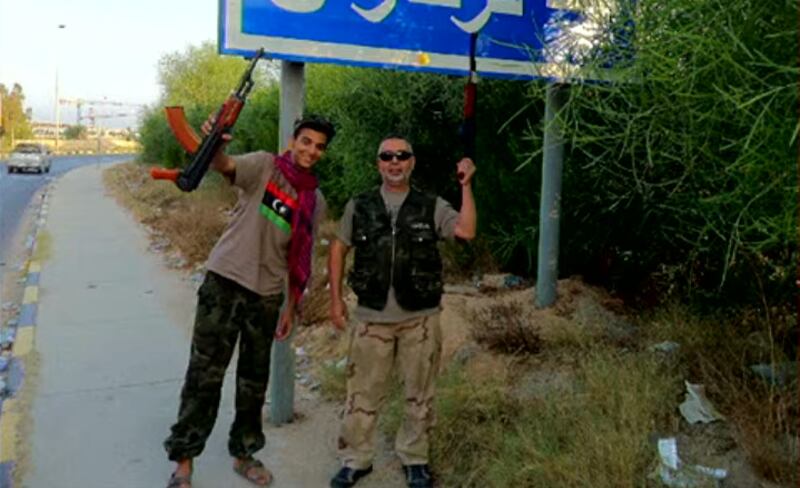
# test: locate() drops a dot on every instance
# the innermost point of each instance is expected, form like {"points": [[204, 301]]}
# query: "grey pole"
{"points": [[58, 105], [58, 114], [281, 384], [550, 206]]}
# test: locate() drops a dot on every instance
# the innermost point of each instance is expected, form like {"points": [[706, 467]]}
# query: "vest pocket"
{"points": [[425, 281], [425, 277], [424, 251], [359, 281], [362, 247]]}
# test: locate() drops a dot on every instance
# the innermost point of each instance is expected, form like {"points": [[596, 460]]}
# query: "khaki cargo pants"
{"points": [[412, 347]]}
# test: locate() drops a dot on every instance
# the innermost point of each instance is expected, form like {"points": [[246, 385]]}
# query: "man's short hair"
{"points": [[396, 135], [316, 123]]}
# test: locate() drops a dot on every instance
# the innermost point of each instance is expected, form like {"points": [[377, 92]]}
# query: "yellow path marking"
{"points": [[9, 420], [24, 343], [31, 295]]}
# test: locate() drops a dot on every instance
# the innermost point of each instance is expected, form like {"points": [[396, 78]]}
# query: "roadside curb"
{"points": [[18, 342]]}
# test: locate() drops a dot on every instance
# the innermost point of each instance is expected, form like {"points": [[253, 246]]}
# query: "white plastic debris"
{"points": [[668, 450], [461, 290], [697, 408], [674, 474], [665, 347]]}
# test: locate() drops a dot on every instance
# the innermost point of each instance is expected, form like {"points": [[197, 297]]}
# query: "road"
{"points": [[17, 190]]}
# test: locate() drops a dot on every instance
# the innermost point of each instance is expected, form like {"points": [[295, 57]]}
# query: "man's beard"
{"points": [[397, 179]]}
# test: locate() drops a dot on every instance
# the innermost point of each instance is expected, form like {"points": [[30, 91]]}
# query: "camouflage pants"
{"points": [[414, 347], [226, 312]]}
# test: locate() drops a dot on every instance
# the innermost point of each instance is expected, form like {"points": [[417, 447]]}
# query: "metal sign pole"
{"points": [[282, 364], [550, 206]]}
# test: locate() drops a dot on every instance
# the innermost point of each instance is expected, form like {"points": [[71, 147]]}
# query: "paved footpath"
{"points": [[112, 340]]}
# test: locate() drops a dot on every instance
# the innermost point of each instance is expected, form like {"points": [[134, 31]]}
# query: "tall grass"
{"points": [[595, 433]]}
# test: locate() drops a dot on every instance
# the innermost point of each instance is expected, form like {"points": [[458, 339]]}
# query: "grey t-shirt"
{"points": [[253, 249], [444, 217]]}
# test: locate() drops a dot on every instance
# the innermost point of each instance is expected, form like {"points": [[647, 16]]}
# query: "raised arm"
{"points": [[221, 163], [467, 223]]}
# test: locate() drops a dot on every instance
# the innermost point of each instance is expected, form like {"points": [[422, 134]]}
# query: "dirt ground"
{"points": [[579, 306]]}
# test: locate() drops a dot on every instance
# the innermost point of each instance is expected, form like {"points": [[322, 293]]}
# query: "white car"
{"points": [[30, 157]]}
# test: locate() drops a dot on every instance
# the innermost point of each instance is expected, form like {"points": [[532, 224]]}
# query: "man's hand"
{"points": [[467, 223], [338, 314], [465, 168], [285, 323], [221, 162], [208, 125]]}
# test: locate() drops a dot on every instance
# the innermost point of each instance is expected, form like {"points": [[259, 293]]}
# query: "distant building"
{"points": [[47, 130]]}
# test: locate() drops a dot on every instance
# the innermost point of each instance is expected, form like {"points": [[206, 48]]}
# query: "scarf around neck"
{"points": [[301, 243]]}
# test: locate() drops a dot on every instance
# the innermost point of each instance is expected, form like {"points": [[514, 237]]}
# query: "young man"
{"points": [[397, 277], [268, 239]]}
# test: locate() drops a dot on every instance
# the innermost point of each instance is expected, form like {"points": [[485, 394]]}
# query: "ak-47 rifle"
{"points": [[203, 151]]}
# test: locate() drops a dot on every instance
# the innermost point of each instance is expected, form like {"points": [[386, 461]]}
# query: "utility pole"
{"points": [[58, 112], [58, 106]]}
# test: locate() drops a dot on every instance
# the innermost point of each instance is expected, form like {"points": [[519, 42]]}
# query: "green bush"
{"points": [[684, 176], [368, 104]]}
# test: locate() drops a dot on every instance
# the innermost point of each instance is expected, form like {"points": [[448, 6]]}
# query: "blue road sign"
{"points": [[516, 38]]}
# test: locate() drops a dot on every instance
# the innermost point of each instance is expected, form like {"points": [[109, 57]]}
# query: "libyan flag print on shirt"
{"points": [[278, 207]]}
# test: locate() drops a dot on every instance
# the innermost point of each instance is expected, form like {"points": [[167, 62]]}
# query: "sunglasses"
{"points": [[387, 156]]}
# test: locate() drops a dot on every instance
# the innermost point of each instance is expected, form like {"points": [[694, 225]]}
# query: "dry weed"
{"points": [[317, 300], [718, 353], [504, 327]]}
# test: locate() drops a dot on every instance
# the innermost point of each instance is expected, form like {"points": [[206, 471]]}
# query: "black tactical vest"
{"points": [[405, 256]]}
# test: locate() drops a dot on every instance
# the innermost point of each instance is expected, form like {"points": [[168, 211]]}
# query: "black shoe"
{"points": [[418, 475], [347, 477]]}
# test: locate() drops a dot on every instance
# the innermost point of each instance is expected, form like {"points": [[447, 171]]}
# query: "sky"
{"points": [[108, 50]]}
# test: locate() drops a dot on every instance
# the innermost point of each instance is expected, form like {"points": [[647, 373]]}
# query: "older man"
{"points": [[397, 276]]}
